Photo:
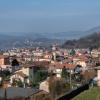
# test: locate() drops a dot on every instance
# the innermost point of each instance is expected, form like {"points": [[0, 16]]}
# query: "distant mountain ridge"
{"points": [[91, 40], [23, 39], [58, 35], [93, 30]]}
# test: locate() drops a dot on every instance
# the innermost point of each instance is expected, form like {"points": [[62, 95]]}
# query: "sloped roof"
{"points": [[21, 74], [12, 92], [61, 65]]}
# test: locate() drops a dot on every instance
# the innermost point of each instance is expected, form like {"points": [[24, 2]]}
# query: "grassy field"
{"points": [[91, 94]]}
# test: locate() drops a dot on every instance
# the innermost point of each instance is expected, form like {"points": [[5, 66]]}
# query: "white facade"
{"points": [[98, 77], [44, 86], [82, 63], [6, 67], [58, 72], [17, 77]]}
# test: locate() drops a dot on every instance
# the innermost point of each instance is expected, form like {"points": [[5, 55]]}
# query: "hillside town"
{"points": [[33, 73], [49, 49]]}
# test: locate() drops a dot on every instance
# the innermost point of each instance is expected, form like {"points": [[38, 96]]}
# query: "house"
{"points": [[42, 63], [56, 67], [47, 55], [46, 83], [19, 76], [4, 60], [81, 60], [26, 70], [82, 63], [98, 75], [95, 53], [5, 63]]}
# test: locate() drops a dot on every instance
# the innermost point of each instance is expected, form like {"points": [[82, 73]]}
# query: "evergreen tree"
{"points": [[58, 87], [41, 75], [72, 52], [15, 63], [64, 73]]}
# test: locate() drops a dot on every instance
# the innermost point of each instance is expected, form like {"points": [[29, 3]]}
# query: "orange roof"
{"points": [[45, 63], [61, 65], [82, 57]]}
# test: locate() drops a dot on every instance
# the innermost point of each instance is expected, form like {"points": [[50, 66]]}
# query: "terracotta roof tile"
{"points": [[61, 65]]}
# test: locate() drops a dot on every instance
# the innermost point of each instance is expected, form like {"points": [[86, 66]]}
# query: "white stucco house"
{"points": [[25, 74], [19, 76]]}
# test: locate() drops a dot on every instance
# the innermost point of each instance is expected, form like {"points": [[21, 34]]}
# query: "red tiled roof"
{"points": [[45, 63], [81, 57], [59, 65]]}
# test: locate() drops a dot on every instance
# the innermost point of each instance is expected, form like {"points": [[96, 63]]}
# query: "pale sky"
{"points": [[48, 15]]}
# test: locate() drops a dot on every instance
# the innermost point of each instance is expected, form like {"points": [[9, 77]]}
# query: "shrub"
{"points": [[58, 87]]}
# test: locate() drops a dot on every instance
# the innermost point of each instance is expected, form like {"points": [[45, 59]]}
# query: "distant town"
{"points": [[49, 49], [47, 74]]}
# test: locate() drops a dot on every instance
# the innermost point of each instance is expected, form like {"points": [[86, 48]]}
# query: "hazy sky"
{"points": [[48, 15]]}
